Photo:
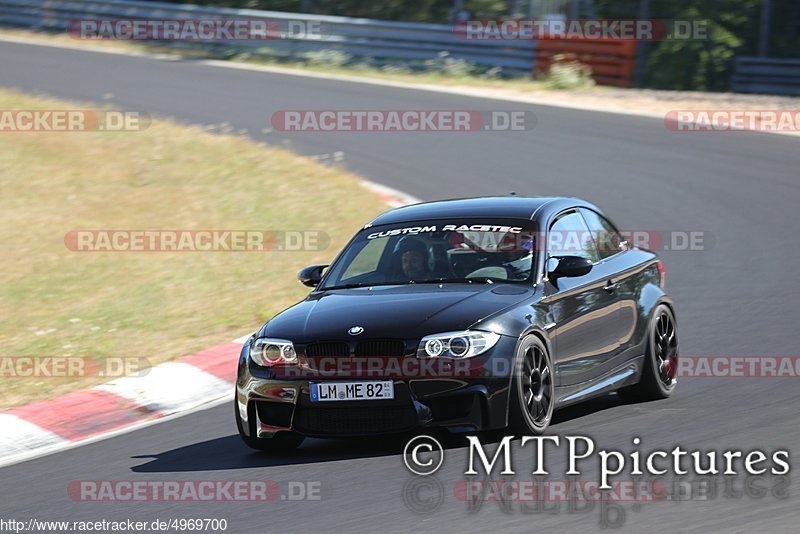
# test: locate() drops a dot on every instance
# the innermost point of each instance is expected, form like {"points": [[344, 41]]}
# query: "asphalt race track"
{"points": [[736, 298]]}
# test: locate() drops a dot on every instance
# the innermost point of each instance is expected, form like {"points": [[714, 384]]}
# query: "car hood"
{"points": [[407, 311]]}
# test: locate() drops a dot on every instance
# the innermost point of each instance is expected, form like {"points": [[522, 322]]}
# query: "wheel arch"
{"points": [[540, 334], [651, 297]]}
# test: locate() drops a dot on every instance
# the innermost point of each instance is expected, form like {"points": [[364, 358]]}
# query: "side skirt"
{"points": [[626, 374]]}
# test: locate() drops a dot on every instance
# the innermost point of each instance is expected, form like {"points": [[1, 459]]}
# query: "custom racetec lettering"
{"points": [[413, 230], [481, 228]]}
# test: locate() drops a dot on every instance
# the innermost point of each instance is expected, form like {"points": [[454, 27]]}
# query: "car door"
{"points": [[623, 270], [584, 309]]}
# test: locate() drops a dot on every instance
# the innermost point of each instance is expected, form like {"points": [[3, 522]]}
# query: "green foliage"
{"points": [[449, 66], [703, 65], [327, 58], [706, 64]]}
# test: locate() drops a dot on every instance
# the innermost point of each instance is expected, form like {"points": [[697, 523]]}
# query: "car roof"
{"points": [[505, 207]]}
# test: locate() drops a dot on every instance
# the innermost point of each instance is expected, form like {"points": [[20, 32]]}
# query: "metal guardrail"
{"points": [[363, 40], [766, 75]]}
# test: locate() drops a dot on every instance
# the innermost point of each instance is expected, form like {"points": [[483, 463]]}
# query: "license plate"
{"points": [[344, 391]]}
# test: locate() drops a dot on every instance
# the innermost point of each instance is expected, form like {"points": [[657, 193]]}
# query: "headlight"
{"points": [[268, 352], [456, 345]]}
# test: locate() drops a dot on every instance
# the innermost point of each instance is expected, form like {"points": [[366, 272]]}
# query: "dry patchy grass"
{"points": [[156, 305]]}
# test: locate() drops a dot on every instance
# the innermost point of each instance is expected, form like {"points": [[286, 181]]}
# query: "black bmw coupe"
{"points": [[469, 314]]}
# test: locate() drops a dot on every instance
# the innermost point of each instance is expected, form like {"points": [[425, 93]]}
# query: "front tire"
{"points": [[532, 389], [660, 370], [282, 441]]}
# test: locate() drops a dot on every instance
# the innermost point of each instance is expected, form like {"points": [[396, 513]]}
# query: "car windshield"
{"points": [[441, 251]]}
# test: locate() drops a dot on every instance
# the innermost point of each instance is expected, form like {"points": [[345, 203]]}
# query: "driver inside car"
{"points": [[410, 258], [518, 251]]}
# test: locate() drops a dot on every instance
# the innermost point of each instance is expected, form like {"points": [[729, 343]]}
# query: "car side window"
{"points": [[607, 238], [569, 236]]}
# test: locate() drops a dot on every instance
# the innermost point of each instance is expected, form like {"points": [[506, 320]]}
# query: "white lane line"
{"points": [[169, 388], [472, 92], [19, 436], [476, 92]]}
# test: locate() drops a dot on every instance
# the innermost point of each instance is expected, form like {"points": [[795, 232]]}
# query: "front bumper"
{"points": [[466, 397]]}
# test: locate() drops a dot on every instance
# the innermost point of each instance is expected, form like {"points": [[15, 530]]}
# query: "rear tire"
{"points": [[282, 441], [660, 362], [530, 405]]}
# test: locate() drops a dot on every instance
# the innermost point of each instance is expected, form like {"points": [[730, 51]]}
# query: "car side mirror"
{"points": [[570, 267], [311, 276]]}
